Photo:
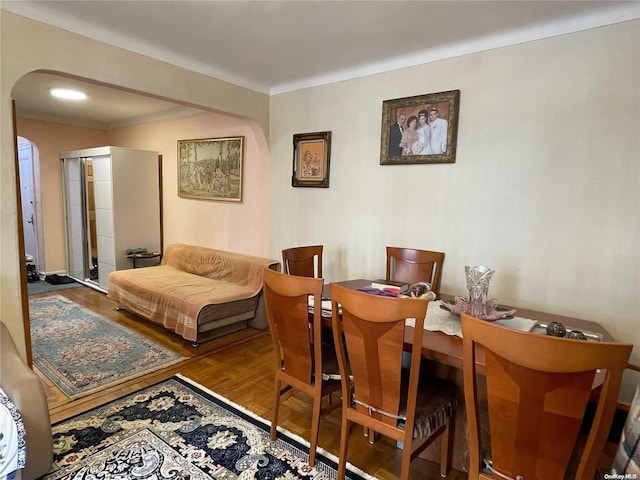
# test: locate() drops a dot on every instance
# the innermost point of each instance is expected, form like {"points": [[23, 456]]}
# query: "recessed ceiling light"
{"points": [[68, 94]]}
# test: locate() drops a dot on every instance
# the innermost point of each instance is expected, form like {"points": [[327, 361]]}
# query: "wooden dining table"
{"points": [[446, 350]]}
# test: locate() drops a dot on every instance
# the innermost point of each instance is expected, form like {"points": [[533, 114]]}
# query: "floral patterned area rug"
{"points": [[179, 430], [81, 351]]}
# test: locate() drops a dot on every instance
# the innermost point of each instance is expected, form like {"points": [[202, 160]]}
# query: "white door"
{"points": [[27, 192]]}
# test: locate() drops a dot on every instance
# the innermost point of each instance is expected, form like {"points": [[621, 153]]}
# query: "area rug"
{"points": [[81, 351], [179, 430], [36, 288]]}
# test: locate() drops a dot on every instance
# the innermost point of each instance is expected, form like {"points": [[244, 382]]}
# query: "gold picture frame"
{"points": [[211, 168], [429, 132], [311, 159]]}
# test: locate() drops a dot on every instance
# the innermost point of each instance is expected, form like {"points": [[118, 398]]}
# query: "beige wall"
{"points": [[27, 46], [545, 188], [239, 227]]}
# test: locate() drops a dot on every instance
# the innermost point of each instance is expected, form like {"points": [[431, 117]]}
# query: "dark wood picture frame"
{"points": [[311, 159], [211, 168], [406, 146]]}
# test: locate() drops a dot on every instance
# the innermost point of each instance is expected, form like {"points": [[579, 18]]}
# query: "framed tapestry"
{"points": [[211, 168], [420, 129], [311, 157]]}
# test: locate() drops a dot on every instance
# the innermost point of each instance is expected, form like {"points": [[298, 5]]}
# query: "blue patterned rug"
{"points": [[81, 351], [179, 430]]}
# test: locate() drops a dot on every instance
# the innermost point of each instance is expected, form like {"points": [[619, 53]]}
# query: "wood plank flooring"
{"points": [[240, 367]]}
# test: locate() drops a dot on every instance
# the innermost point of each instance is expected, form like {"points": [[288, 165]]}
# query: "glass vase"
{"points": [[478, 278]]}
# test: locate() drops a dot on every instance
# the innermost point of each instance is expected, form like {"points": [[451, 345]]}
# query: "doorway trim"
{"points": [[21, 254]]}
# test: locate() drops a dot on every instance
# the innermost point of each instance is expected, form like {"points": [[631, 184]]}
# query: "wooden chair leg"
{"points": [[371, 434], [406, 459], [276, 408], [315, 428], [344, 439], [446, 446]]}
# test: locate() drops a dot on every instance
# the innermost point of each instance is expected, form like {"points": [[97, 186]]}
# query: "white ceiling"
{"points": [[278, 46]]}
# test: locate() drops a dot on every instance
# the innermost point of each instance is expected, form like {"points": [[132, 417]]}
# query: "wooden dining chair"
{"points": [[383, 397], [303, 261], [537, 391], [411, 266], [301, 356]]}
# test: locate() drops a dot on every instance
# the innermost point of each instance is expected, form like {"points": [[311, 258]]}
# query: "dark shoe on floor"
{"points": [[56, 279]]}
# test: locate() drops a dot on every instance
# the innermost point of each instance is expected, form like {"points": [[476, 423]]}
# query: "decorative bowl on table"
{"points": [[492, 310], [422, 290]]}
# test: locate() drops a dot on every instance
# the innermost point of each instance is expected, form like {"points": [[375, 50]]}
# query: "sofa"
{"points": [[197, 292], [24, 391]]}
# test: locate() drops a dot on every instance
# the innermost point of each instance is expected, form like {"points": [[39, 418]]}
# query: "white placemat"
{"points": [[326, 307]]}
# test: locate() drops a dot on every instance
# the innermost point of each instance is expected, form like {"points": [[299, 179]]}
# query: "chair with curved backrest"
{"points": [[411, 266], [385, 398], [301, 357], [303, 261], [537, 391]]}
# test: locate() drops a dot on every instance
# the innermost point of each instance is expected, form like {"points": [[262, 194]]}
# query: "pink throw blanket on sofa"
{"points": [[188, 279]]}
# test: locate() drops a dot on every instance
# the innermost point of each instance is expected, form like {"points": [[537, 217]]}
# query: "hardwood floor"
{"points": [[240, 367]]}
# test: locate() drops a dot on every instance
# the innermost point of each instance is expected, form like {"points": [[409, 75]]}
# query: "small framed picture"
{"points": [[311, 156], [211, 168], [420, 129]]}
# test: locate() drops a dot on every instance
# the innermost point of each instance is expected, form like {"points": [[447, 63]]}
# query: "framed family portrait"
{"points": [[211, 168], [420, 129], [311, 157]]}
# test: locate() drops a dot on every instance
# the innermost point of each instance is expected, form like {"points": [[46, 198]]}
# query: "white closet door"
{"points": [[74, 206], [103, 190]]}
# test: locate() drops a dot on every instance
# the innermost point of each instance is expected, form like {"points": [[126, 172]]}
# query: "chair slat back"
{"points": [[534, 417], [303, 261], [411, 266], [373, 330], [537, 390], [286, 305]]}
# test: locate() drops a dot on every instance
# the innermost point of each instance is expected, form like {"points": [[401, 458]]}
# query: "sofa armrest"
{"points": [[260, 320], [23, 387]]}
